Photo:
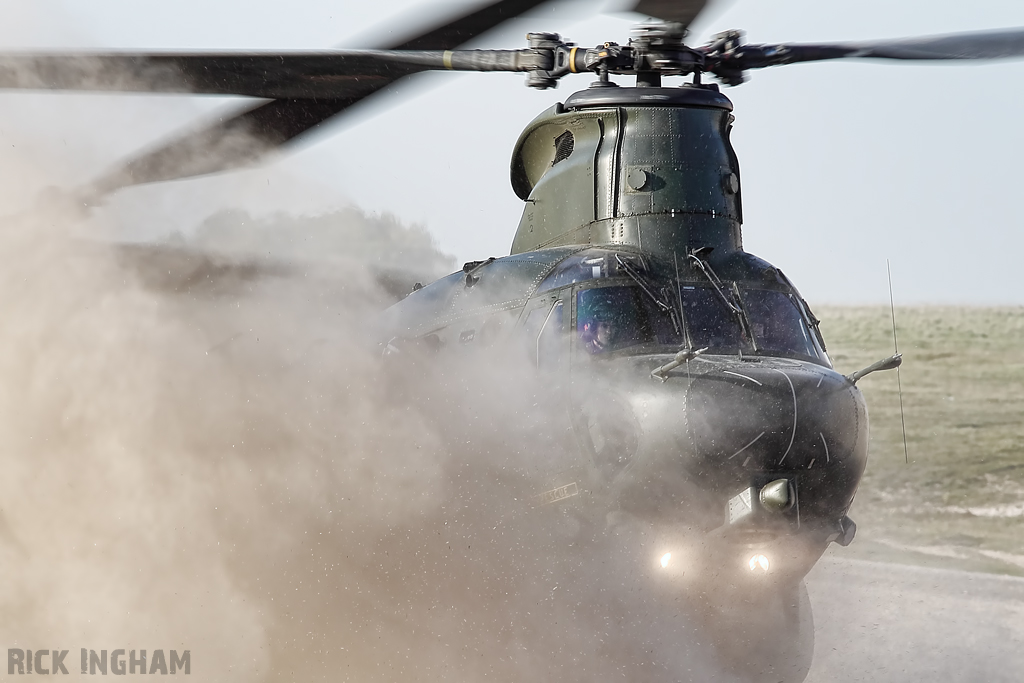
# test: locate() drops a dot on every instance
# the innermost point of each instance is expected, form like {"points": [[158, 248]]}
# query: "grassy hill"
{"points": [[960, 500]]}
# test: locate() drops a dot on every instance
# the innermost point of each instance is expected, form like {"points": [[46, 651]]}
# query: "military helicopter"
{"points": [[697, 386]]}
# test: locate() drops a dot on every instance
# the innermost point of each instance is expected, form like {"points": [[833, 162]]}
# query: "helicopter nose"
{"points": [[747, 418]]}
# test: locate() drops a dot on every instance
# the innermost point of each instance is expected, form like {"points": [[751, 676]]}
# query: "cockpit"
{"points": [[619, 317], [621, 304], [598, 302]]}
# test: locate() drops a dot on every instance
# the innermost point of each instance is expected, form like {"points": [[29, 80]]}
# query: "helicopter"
{"points": [[700, 393]]}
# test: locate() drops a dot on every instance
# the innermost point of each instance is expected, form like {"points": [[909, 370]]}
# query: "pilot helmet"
{"points": [[595, 306]]}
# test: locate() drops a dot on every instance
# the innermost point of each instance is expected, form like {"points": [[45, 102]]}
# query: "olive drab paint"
{"points": [[651, 168]]}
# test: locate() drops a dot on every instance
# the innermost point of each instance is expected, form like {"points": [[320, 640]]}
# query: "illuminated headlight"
{"points": [[665, 559], [759, 563]]}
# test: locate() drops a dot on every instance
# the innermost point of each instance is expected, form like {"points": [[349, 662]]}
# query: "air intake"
{"points": [[563, 147]]}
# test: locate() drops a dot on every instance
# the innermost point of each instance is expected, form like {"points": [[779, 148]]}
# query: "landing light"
{"points": [[775, 496], [665, 559], [759, 563]]}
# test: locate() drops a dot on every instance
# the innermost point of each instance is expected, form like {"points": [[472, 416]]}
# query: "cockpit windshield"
{"points": [[710, 324], [620, 317], [777, 324], [613, 318]]}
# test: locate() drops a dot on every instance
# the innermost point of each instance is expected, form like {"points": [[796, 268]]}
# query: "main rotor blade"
{"points": [[981, 45], [244, 137], [281, 75], [682, 11], [1003, 44], [324, 75], [233, 142], [460, 31]]}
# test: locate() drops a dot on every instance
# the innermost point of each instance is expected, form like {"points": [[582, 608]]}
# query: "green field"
{"points": [[960, 500]]}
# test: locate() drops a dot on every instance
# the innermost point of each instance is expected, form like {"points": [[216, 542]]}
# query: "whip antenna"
{"points": [[896, 348]]}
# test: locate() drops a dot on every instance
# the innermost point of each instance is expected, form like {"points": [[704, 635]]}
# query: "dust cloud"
{"points": [[202, 449]]}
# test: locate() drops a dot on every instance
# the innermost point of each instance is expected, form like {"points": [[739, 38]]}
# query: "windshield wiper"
{"points": [[697, 258], [649, 291], [637, 278]]}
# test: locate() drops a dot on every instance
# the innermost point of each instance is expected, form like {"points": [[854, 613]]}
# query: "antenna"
{"points": [[679, 296], [896, 348]]}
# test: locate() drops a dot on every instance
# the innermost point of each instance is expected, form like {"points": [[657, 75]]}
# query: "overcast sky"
{"points": [[844, 164]]}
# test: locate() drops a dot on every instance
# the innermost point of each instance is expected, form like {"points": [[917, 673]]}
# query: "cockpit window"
{"points": [[575, 269], [619, 317], [710, 324], [589, 265], [613, 318], [777, 324]]}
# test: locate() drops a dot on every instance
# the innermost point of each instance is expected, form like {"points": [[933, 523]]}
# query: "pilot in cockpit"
{"points": [[597, 322]]}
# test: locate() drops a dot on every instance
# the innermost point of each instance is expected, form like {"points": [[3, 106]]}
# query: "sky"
{"points": [[844, 164]]}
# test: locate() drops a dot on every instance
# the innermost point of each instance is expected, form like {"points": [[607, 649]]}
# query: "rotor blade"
{"points": [[290, 75], [247, 135], [230, 143], [243, 138], [295, 76], [1003, 44], [682, 11], [462, 30]]}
